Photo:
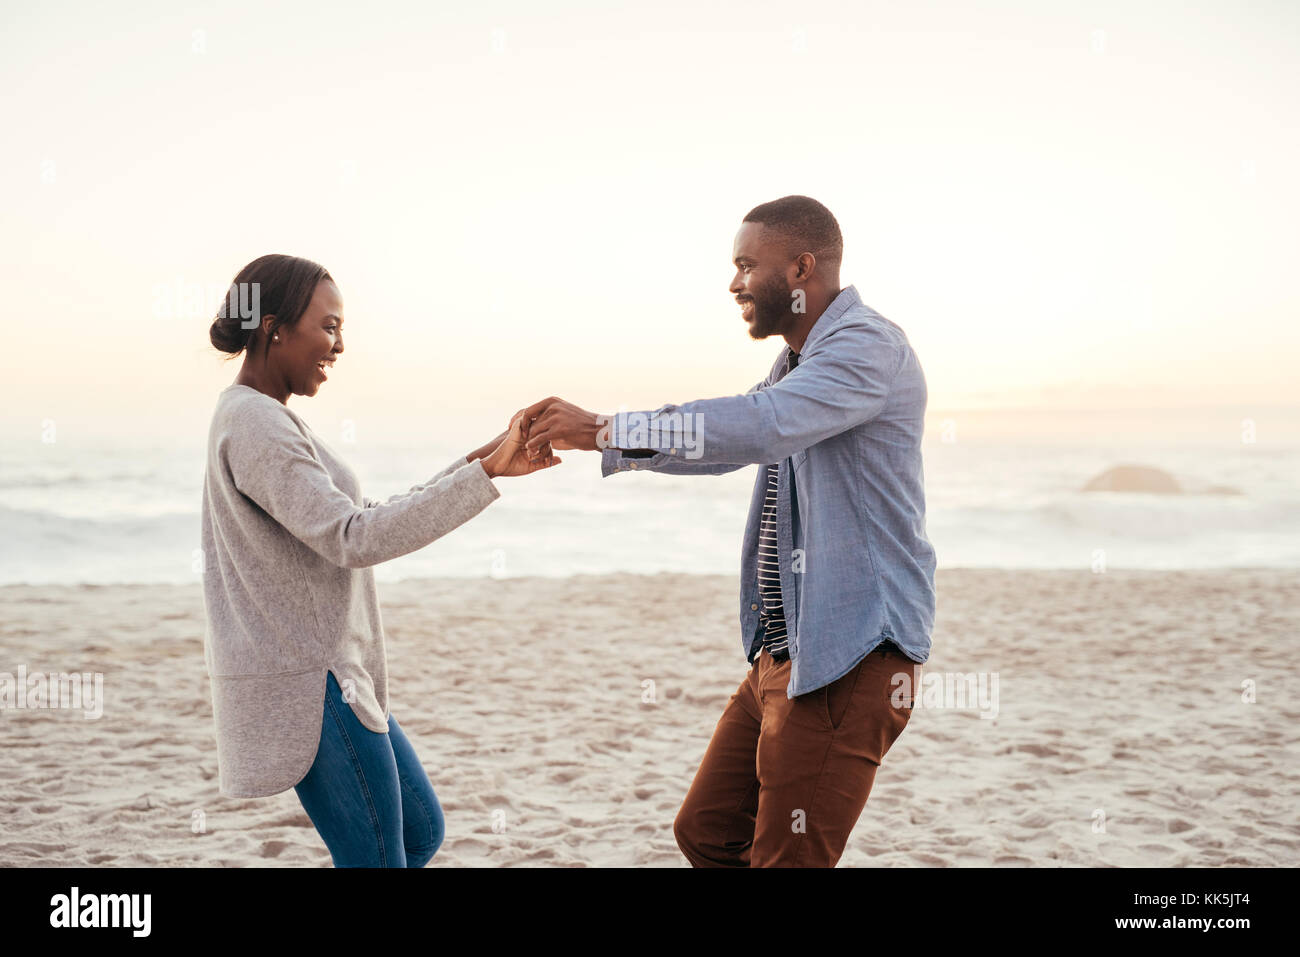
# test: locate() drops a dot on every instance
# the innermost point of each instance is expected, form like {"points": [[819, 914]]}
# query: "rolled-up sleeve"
{"points": [[614, 460]]}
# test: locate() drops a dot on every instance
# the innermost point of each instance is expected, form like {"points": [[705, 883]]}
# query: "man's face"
{"points": [[764, 270]]}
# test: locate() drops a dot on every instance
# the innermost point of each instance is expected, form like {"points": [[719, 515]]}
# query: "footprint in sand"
{"points": [[1159, 849]]}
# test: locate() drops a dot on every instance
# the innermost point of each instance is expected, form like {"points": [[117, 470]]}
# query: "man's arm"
{"points": [[844, 382], [647, 460]]}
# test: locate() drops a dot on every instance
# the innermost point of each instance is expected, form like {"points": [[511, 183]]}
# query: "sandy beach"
{"points": [[1123, 733]]}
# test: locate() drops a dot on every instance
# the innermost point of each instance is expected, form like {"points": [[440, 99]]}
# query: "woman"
{"points": [[295, 644]]}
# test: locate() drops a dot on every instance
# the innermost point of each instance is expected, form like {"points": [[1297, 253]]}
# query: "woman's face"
{"points": [[309, 348]]}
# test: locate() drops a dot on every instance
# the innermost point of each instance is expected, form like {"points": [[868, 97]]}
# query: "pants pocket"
{"points": [[837, 697]]}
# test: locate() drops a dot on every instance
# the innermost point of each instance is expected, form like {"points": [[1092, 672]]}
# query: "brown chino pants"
{"points": [[784, 779]]}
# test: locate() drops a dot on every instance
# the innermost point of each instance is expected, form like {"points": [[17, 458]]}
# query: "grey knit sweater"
{"points": [[288, 544]]}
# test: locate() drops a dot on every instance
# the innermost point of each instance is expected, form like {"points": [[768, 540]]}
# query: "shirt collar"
{"points": [[847, 298], [839, 305]]}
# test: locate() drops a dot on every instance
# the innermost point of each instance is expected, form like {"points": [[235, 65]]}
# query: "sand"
{"points": [[1121, 736]]}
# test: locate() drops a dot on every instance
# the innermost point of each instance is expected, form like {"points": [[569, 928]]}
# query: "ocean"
{"points": [[109, 512]]}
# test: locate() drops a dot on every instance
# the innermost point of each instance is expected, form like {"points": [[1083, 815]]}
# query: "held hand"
{"points": [[559, 444], [484, 451], [563, 425], [511, 458]]}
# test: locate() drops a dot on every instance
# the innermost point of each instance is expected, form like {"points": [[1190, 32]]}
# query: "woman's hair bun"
{"points": [[275, 285]]}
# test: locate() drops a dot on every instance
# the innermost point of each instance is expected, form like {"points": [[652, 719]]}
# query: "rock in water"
{"points": [[1223, 490], [1134, 478]]}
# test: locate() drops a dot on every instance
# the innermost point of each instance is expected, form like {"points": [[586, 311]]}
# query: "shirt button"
{"points": [[753, 607], [632, 466], [672, 451]]}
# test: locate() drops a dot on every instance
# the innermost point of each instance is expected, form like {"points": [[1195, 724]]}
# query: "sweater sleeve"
{"points": [[372, 502], [273, 462]]}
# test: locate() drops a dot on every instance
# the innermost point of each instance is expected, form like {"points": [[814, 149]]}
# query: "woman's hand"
{"points": [[484, 451], [511, 457]]}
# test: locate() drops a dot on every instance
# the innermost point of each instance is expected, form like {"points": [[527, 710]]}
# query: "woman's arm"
{"points": [[372, 502], [273, 462], [482, 452]]}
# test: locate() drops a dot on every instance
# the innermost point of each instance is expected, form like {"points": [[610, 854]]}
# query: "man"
{"points": [[837, 587]]}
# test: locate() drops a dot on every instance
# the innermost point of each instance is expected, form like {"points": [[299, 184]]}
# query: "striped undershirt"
{"points": [[772, 617]]}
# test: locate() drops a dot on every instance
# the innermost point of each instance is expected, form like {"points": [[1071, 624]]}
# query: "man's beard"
{"points": [[773, 309]]}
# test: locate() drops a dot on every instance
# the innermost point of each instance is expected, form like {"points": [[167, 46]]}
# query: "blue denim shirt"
{"points": [[844, 427]]}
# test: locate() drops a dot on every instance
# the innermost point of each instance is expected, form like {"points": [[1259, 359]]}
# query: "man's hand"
{"points": [[563, 425]]}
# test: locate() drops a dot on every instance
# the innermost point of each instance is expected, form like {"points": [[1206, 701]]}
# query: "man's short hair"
{"points": [[805, 223]]}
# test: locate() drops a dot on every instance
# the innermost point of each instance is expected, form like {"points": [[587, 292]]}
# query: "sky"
{"points": [[1072, 209]]}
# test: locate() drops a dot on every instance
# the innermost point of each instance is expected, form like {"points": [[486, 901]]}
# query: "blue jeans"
{"points": [[368, 794]]}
